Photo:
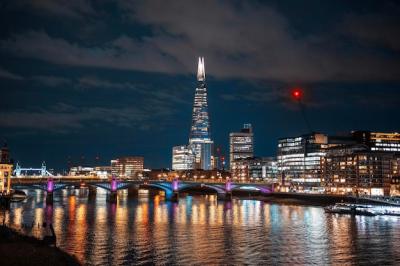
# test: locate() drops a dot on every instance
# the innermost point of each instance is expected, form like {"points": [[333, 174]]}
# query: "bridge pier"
{"points": [[92, 192], [113, 196], [5, 201], [174, 196], [133, 192], [49, 191], [49, 198], [225, 196], [228, 191]]}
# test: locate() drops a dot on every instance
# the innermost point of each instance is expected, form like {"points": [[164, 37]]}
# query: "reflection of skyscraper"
{"points": [[200, 135]]}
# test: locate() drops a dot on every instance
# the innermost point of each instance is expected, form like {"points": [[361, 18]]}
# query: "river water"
{"points": [[199, 230]]}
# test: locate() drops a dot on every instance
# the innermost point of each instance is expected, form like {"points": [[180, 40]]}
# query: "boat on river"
{"points": [[17, 196], [353, 209]]}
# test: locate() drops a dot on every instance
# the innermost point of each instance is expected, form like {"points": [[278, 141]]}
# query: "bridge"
{"points": [[20, 171], [172, 188]]}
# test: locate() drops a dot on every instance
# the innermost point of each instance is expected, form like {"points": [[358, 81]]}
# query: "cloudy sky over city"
{"points": [[81, 79]]}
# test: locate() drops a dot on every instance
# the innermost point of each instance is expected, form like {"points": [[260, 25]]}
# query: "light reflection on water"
{"points": [[202, 230]]}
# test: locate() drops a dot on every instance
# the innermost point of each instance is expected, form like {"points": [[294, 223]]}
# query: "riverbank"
{"points": [[18, 249], [308, 199]]}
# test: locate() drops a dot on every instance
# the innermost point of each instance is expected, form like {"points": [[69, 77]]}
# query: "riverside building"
{"points": [[128, 167], [357, 170], [361, 162], [255, 169], [299, 159]]}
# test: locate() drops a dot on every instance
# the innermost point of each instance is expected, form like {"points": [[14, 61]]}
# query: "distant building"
{"points": [[6, 168], [355, 169], [395, 183], [264, 168], [128, 167], [255, 168], [299, 160], [5, 154], [96, 171], [241, 144], [183, 158], [80, 171], [378, 141], [240, 169]]}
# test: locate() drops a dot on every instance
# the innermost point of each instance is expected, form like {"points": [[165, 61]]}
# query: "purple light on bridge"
{"points": [[175, 184], [50, 185], [265, 190], [228, 185], [113, 184]]}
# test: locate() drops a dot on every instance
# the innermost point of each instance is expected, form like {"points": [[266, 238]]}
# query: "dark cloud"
{"points": [[122, 53], [170, 97], [64, 8], [373, 29], [239, 40], [5, 74], [51, 81], [64, 118]]}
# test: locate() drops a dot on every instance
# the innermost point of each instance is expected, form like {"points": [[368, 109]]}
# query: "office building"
{"points": [[96, 171], [241, 144], [264, 168], [299, 161], [183, 158], [128, 167], [378, 141], [255, 169]]}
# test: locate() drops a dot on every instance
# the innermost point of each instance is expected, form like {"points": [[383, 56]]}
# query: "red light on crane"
{"points": [[297, 93]]}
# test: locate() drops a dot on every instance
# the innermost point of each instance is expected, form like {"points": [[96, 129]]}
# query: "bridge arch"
{"points": [[251, 187], [43, 186], [161, 186], [216, 188]]}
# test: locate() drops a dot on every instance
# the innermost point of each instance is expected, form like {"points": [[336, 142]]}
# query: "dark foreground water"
{"points": [[199, 230]]}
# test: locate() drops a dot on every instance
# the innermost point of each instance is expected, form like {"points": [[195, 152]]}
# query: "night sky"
{"points": [[111, 78]]}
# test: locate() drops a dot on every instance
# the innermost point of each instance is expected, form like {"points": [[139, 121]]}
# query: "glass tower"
{"points": [[200, 135]]}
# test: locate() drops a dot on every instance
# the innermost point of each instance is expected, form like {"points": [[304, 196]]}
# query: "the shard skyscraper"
{"points": [[200, 135]]}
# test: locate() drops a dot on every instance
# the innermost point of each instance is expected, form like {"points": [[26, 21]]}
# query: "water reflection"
{"points": [[201, 230]]}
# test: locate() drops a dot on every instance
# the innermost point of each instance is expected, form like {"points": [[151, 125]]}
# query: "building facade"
{"points": [[241, 144], [299, 161], [128, 167], [378, 141], [255, 169], [183, 158], [264, 168], [97, 171], [360, 162], [6, 168], [357, 170]]}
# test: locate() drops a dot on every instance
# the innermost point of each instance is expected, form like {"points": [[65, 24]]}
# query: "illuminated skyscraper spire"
{"points": [[200, 136], [201, 72]]}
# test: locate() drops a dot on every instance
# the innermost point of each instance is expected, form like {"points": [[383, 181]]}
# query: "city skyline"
{"points": [[187, 132], [112, 102]]}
